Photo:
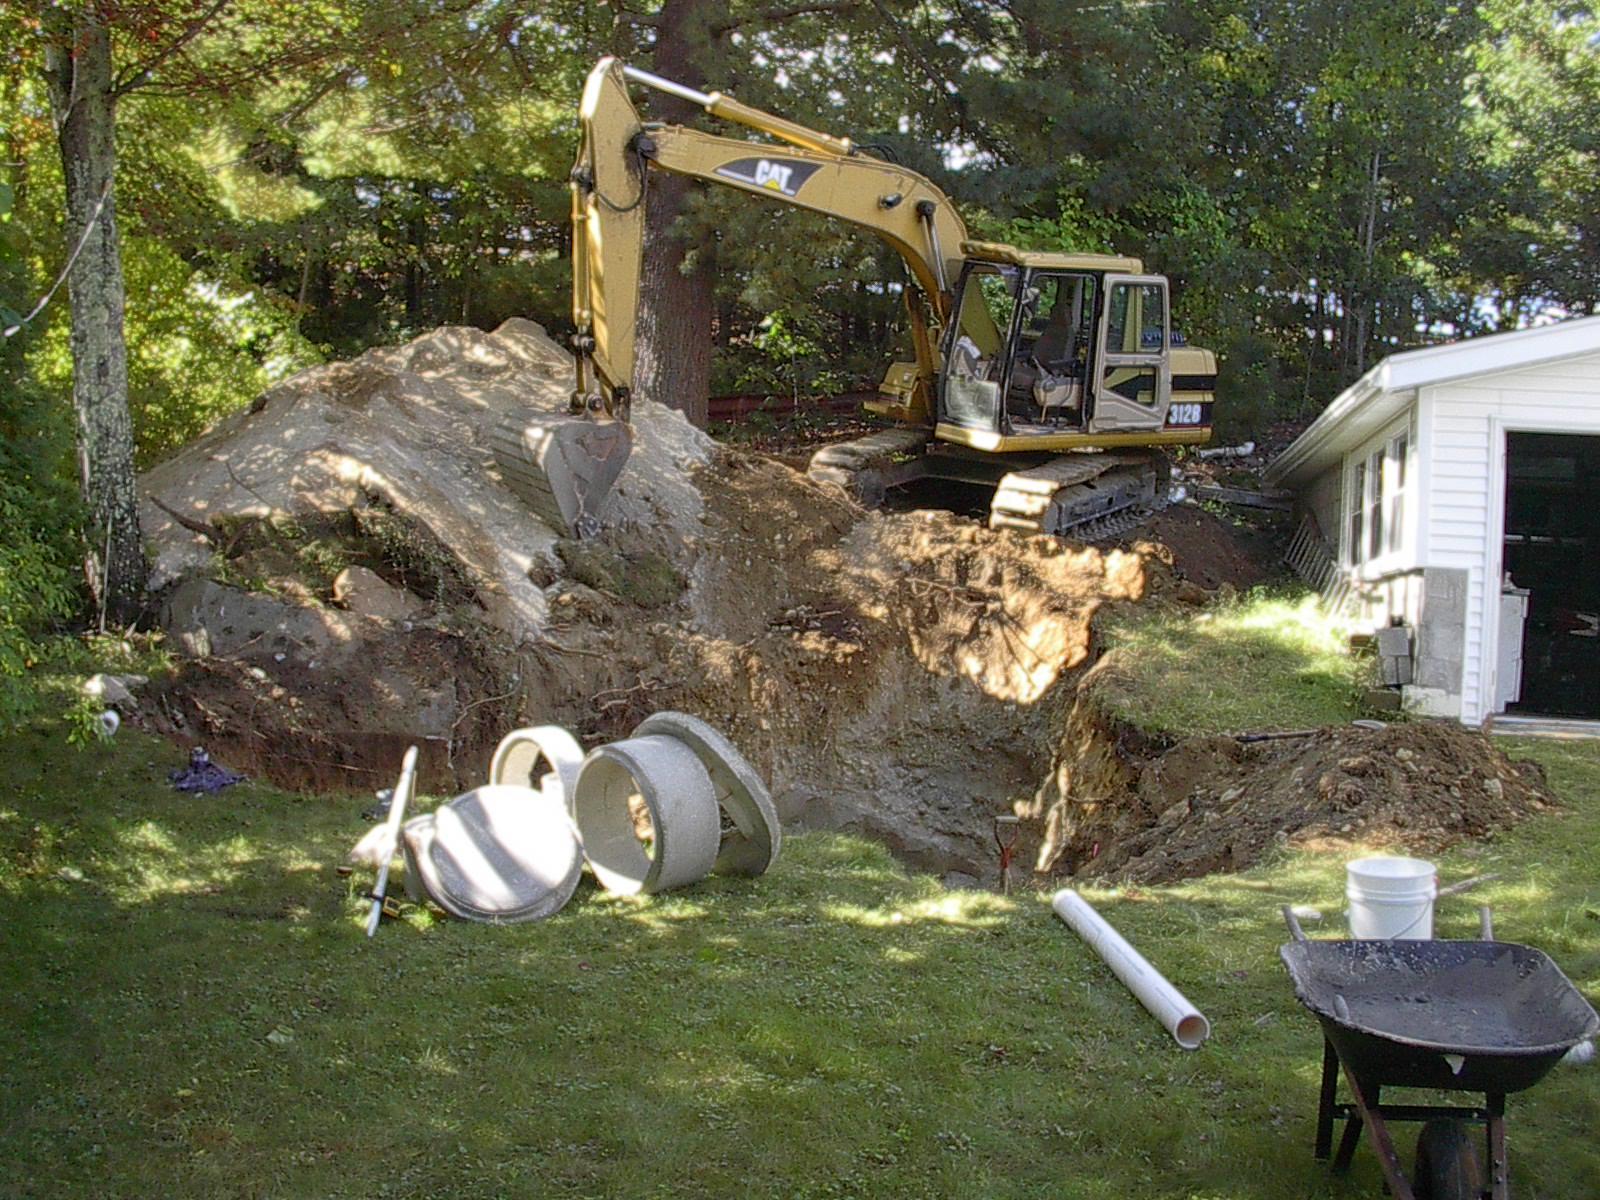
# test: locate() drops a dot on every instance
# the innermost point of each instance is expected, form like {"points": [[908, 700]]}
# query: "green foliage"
{"points": [[1071, 228], [788, 354], [198, 347], [38, 509], [36, 587]]}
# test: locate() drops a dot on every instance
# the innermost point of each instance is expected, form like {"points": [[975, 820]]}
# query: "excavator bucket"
{"points": [[562, 467]]}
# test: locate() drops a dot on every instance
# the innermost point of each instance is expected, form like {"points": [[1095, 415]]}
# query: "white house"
{"points": [[1458, 488]]}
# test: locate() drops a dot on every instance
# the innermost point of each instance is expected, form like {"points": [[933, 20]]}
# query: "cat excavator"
{"points": [[1053, 378]]}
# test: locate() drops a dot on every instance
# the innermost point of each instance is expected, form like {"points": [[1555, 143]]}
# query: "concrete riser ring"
{"points": [[682, 803]]}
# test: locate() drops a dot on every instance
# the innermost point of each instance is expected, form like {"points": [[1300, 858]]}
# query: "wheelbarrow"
{"points": [[1460, 1016]]}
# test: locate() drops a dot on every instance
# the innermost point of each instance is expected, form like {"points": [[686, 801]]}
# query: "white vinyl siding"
{"points": [[1462, 432]]}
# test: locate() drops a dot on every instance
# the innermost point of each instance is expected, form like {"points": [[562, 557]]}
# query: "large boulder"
{"points": [[409, 427]]}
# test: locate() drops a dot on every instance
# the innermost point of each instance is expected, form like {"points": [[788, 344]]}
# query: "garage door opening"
{"points": [[1552, 564]]}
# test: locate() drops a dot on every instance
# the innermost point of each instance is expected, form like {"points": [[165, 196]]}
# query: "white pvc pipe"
{"points": [[1167, 1004]]}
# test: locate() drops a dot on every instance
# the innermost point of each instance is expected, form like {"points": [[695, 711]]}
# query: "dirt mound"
{"points": [[1209, 551], [349, 575], [406, 429], [1220, 803]]}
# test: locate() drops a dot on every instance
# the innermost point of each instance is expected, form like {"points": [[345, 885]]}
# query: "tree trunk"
{"points": [[672, 363], [79, 75], [1366, 315]]}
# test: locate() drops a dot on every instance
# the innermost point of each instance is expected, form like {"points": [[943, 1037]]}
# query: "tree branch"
{"points": [[204, 528], [777, 16], [138, 73], [644, 20], [83, 240]]}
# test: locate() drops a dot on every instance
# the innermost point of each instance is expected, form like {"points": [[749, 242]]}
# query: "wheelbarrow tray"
{"points": [[1489, 1017]]}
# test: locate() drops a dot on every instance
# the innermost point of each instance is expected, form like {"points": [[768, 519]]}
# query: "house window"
{"points": [[1375, 504], [1358, 511], [1376, 499], [1397, 489]]}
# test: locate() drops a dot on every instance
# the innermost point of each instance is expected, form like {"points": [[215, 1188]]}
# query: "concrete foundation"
{"points": [[1441, 637]]}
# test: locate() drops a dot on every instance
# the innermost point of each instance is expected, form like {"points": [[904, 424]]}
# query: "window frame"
{"points": [[1377, 481]]}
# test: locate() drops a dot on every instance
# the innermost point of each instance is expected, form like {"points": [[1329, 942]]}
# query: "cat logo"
{"points": [[773, 175]]}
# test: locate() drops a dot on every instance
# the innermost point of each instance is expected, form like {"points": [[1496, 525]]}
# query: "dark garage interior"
{"points": [[1552, 549]]}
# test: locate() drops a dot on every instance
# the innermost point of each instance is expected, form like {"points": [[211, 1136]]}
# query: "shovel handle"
{"points": [[1466, 885]]}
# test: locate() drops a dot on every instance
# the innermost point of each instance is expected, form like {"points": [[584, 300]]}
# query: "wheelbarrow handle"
{"points": [[1293, 922], [1485, 923]]}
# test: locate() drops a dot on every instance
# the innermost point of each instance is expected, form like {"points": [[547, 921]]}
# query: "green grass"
{"points": [[1260, 662], [191, 1010]]}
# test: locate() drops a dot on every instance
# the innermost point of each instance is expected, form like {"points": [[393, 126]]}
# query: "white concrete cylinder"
{"points": [[676, 790], [517, 757]]}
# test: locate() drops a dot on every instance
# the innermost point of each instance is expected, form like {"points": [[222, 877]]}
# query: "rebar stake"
{"points": [[1007, 842]]}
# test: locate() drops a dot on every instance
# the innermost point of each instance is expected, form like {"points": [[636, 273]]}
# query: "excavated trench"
{"points": [[908, 675]]}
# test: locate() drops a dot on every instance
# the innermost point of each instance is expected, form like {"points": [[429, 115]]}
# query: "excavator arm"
{"points": [[812, 170]]}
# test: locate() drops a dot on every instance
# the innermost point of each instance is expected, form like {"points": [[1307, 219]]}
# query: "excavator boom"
{"points": [[815, 171]]}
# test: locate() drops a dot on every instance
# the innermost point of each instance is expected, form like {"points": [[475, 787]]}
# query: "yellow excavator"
{"points": [[1052, 378]]}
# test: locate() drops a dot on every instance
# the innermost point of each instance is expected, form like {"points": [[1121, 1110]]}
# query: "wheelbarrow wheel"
{"points": [[1447, 1162]]}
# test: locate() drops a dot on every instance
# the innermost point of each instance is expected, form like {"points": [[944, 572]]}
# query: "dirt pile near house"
{"points": [[1209, 551], [1221, 803]]}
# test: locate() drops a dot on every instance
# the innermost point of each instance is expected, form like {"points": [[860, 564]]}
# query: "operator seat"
{"points": [[1057, 388]]}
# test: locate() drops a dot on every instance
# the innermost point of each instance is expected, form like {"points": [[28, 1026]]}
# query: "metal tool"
{"points": [[391, 837], [1006, 829]]}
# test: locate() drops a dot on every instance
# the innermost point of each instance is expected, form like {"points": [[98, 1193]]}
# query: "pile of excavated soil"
{"points": [[361, 578], [1220, 804], [346, 574], [1208, 551]]}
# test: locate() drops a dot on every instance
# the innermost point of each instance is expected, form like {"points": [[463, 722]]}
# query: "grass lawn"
{"points": [[1258, 662], [190, 1009]]}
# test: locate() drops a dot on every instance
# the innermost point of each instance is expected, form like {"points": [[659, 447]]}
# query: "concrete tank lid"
{"points": [[499, 853]]}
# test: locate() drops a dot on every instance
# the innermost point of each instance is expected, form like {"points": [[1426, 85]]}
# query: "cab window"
{"points": [[1136, 319], [976, 360]]}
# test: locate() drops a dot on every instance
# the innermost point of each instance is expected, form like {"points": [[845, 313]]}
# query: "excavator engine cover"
{"points": [[562, 467]]}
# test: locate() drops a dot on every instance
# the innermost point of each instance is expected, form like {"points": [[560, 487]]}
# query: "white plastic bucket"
{"points": [[1390, 897]]}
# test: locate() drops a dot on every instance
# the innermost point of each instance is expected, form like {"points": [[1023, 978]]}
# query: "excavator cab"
{"points": [[1055, 352]]}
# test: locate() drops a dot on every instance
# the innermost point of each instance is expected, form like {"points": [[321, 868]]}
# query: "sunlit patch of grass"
{"points": [[835, 1028], [1260, 662]]}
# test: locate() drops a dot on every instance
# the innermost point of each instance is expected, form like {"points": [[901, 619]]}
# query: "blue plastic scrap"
{"points": [[203, 775]]}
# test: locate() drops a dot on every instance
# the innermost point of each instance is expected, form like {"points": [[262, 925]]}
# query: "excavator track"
{"points": [[869, 466], [1087, 497]]}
